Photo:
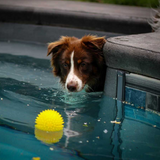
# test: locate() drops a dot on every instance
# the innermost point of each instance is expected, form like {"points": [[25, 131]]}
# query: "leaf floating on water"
{"points": [[85, 125], [36, 158], [115, 122]]}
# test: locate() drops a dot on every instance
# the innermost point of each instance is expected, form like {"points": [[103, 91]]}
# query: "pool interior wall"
{"points": [[141, 91], [28, 87]]}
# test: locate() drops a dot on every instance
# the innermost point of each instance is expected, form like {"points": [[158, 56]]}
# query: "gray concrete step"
{"points": [[138, 54]]}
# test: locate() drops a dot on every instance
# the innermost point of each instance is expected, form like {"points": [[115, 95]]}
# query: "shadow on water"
{"points": [[27, 89], [25, 61]]}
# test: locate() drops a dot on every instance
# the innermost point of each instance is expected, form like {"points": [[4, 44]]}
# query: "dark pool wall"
{"points": [[43, 34], [137, 90]]}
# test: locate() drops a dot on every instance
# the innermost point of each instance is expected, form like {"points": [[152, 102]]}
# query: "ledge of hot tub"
{"points": [[138, 54], [83, 15]]}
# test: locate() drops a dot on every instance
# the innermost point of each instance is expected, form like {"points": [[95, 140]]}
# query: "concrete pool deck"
{"points": [[84, 15], [139, 53]]}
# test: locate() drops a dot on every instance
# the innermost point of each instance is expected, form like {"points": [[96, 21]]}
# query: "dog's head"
{"points": [[77, 61]]}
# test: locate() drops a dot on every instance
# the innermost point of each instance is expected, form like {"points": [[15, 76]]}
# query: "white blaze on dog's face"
{"points": [[73, 83]]}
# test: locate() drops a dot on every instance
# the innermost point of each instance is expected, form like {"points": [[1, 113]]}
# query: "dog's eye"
{"points": [[65, 65], [83, 64]]}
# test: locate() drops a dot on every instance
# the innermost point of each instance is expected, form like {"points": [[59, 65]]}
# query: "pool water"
{"points": [[95, 126]]}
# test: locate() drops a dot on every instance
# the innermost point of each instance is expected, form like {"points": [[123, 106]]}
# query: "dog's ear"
{"points": [[53, 48], [93, 42], [58, 46]]}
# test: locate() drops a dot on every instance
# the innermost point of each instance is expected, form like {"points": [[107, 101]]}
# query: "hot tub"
{"points": [[96, 125]]}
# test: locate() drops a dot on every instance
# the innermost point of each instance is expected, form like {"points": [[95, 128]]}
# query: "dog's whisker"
{"points": [[90, 88]]}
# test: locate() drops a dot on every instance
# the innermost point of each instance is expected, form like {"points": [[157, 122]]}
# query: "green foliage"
{"points": [[142, 3]]}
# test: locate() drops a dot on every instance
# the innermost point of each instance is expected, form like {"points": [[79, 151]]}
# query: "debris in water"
{"points": [[115, 122]]}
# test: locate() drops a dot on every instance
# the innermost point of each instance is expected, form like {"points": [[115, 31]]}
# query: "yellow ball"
{"points": [[49, 120]]}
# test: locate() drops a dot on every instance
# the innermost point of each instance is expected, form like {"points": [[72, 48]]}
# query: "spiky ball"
{"points": [[49, 120]]}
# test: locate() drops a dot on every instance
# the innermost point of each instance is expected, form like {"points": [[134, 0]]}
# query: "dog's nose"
{"points": [[72, 86]]}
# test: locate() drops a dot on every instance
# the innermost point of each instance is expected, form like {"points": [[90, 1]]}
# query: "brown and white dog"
{"points": [[79, 62]]}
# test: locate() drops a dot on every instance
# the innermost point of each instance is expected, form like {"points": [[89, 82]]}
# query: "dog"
{"points": [[79, 62]]}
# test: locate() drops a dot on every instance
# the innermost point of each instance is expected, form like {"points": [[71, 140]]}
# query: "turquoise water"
{"points": [[28, 87]]}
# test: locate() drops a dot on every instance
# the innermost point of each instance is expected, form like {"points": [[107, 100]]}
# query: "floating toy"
{"points": [[49, 120], [49, 126]]}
